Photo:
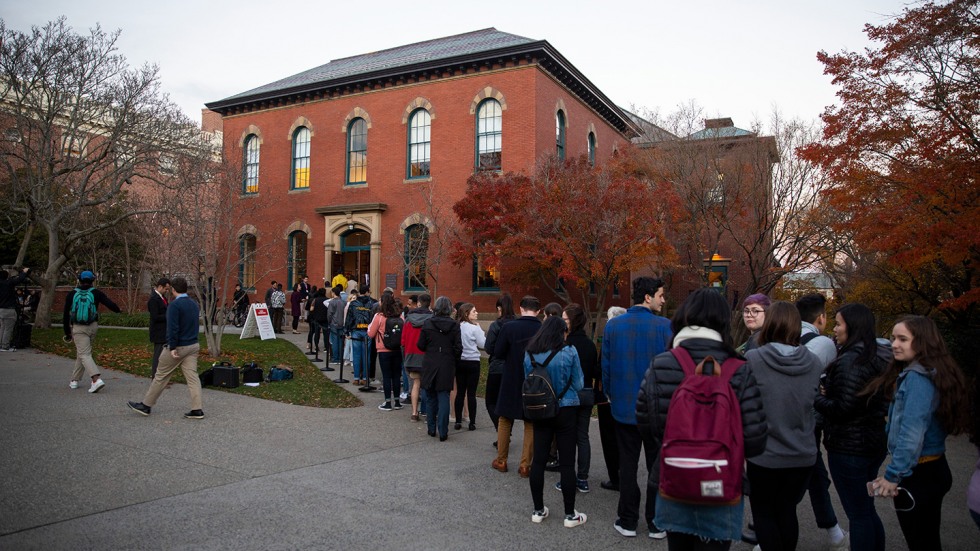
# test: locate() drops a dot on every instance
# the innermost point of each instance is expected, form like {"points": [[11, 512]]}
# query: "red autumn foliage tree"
{"points": [[903, 150], [581, 226]]}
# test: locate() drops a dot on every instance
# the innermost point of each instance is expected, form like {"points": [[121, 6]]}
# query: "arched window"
{"points": [[560, 135], [301, 158], [296, 263], [591, 148], [416, 251], [250, 176], [357, 152], [489, 131], [419, 125], [246, 261]]}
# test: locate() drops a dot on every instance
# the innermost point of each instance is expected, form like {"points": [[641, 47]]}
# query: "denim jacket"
{"points": [[913, 428], [564, 364]]}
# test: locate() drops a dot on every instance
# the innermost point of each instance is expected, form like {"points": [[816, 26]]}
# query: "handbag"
{"points": [[586, 397]]}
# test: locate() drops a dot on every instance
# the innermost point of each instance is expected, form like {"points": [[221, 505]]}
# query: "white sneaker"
{"points": [[403, 397], [842, 545], [96, 386], [538, 516], [658, 535], [578, 519], [73, 384]]}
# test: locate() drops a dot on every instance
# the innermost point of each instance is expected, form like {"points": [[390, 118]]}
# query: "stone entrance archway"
{"points": [[348, 220]]}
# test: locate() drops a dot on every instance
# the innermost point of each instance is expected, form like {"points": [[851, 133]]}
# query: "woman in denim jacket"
{"points": [[563, 367], [928, 402]]}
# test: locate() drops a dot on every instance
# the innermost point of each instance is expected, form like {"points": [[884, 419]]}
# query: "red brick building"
{"points": [[357, 163]]}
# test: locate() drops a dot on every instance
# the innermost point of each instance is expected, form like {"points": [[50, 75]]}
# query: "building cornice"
{"points": [[539, 53]]}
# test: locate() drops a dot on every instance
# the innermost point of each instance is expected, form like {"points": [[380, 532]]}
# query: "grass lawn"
{"points": [[129, 350]]}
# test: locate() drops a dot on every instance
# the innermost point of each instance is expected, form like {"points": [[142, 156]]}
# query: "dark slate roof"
{"points": [[402, 56], [487, 46]]}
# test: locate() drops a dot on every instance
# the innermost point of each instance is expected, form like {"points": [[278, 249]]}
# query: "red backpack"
{"points": [[703, 453]]}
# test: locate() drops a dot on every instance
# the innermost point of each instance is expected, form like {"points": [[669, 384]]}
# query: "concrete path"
{"points": [[82, 471]]}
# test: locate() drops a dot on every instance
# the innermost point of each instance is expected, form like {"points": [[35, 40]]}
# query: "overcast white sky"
{"points": [[736, 58]]}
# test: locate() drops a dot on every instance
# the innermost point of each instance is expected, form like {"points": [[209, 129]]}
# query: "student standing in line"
{"points": [[441, 345], [574, 317], [468, 370], [547, 347], [854, 423], [928, 402], [788, 375]]}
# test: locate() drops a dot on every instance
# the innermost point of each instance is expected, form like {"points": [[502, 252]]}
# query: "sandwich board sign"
{"points": [[259, 323]]}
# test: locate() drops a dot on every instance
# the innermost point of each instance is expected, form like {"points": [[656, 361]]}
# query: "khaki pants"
{"points": [[504, 426], [187, 361], [82, 336]]}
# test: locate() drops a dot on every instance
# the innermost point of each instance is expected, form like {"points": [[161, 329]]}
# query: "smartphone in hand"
{"points": [[873, 491]]}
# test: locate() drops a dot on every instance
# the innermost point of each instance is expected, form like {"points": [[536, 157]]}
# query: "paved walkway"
{"points": [[82, 471]]}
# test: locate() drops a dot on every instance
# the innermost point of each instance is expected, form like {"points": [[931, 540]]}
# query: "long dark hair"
{"points": [[550, 337], [390, 306], [506, 305], [576, 317], [860, 322], [930, 351], [706, 308]]}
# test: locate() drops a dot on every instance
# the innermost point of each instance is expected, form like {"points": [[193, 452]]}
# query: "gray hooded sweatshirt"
{"points": [[788, 377]]}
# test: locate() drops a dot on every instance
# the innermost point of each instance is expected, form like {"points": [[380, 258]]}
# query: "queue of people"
{"points": [[863, 398]]}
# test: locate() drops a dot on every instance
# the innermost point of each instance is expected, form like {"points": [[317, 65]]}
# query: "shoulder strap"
{"points": [[683, 357], [808, 337]]}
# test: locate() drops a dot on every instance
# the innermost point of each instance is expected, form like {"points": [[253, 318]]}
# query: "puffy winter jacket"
{"points": [[853, 424], [411, 355], [442, 345], [665, 375]]}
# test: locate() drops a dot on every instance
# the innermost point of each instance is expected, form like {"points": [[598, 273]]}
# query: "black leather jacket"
{"points": [[665, 375], [853, 425]]}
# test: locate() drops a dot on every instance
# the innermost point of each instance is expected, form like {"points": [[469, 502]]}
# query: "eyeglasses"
{"points": [[753, 312]]}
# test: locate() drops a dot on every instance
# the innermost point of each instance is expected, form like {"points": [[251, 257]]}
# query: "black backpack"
{"points": [[540, 401], [392, 336]]}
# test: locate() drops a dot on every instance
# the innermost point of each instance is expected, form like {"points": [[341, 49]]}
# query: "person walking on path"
{"points": [[629, 344], [547, 347], [157, 308], [81, 322], [928, 402], [8, 306], [511, 343], [181, 351]]}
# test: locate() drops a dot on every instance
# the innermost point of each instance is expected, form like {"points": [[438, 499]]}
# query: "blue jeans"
{"points": [[336, 343], [438, 406], [359, 353], [851, 474]]}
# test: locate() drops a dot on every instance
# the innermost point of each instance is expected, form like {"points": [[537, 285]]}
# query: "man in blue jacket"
{"points": [[183, 315], [629, 344]]}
